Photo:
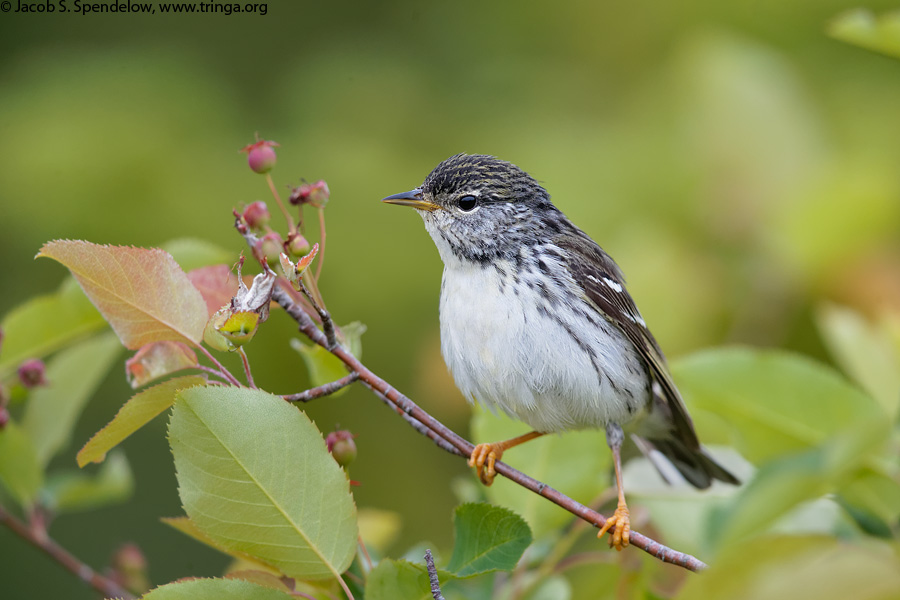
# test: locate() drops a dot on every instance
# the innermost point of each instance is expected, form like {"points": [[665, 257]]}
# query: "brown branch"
{"points": [[433, 577], [40, 539], [450, 441], [323, 390]]}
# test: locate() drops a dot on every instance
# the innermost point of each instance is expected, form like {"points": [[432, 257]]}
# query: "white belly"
{"points": [[505, 353]]}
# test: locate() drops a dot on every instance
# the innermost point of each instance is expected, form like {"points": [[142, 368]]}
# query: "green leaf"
{"points": [[865, 352], [73, 375], [134, 414], [488, 538], [142, 292], [255, 476], [861, 27], [774, 402], [45, 324], [396, 579], [781, 485], [576, 463], [74, 490], [214, 589], [322, 365], [20, 470], [193, 253], [873, 500], [800, 568]]}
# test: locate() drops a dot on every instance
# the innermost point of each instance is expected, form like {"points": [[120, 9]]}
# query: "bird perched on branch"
{"points": [[536, 322]]}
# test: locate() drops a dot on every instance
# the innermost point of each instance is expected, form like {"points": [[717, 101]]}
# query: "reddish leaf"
{"points": [[156, 360], [143, 293], [217, 285]]}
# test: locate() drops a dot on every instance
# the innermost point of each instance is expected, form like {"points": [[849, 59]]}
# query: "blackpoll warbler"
{"points": [[536, 321]]}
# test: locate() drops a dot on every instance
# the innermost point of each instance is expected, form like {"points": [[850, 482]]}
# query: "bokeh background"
{"points": [[739, 164]]}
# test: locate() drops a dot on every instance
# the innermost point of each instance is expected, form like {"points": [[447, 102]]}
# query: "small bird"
{"points": [[536, 321]]}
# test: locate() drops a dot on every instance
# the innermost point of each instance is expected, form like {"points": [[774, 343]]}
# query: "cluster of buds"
{"points": [[315, 194]]}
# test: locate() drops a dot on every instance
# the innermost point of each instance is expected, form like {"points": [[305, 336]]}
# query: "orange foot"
{"points": [[483, 458], [621, 523]]}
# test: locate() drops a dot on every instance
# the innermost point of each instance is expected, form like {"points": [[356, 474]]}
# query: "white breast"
{"points": [[516, 352]]}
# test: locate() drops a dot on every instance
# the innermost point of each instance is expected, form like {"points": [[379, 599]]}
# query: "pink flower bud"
{"points": [[342, 447], [4, 417], [261, 156], [256, 214], [32, 373], [315, 194]]}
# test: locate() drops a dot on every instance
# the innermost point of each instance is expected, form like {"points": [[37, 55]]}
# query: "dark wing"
{"points": [[604, 287]]}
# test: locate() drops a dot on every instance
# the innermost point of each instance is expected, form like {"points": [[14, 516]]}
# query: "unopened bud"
{"points": [[130, 569], [296, 245], [261, 156], [4, 417], [315, 194], [269, 246], [256, 214], [342, 447], [32, 373]]}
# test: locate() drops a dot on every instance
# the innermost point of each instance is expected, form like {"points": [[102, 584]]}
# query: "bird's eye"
{"points": [[467, 203]]}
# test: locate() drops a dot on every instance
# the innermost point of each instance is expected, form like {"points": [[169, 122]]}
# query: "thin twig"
{"points": [[290, 221], [40, 539], [246, 363], [321, 243], [433, 576], [209, 370], [222, 370], [323, 390], [427, 425], [327, 323]]}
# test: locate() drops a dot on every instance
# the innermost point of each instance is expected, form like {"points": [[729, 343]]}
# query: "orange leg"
{"points": [[485, 455], [620, 522]]}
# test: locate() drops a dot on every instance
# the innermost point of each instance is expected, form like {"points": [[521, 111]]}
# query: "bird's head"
{"points": [[478, 207]]}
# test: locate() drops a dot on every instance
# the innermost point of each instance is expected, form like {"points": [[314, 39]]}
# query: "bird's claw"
{"points": [[620, 523], [483, 458]]}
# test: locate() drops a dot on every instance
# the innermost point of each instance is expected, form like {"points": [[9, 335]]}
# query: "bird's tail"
{"points": [[695, 465]]}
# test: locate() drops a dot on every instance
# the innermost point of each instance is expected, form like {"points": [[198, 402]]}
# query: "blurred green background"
{"points": [[739, 164]]}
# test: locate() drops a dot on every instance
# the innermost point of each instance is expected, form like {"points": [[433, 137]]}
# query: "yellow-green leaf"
{"points": [[396, 579], [45, 324], [20, 471], [72, 375], [255, 476], [488, 538], [71, 491], [214, 589], [866, 353], [190, 529], [134, 414], [143, 293], [773, 402], [861, 27]]}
